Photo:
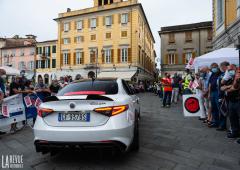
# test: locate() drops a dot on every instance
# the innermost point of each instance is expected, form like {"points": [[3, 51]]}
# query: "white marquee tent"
{"points": [[224, 54], [10, 71]]}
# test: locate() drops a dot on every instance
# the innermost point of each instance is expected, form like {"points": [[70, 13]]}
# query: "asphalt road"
{"points": [[168, 141]]}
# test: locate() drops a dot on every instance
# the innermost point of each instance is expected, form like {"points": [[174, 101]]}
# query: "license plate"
{"points": [[74, 116]]}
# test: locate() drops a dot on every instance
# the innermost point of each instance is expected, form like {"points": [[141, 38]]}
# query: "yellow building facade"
{"points": [[113, 38], [226, 23], [45, 61]]}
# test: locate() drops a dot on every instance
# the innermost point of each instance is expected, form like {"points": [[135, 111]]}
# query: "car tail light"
{"points": [[112, 111], [43, 112]]}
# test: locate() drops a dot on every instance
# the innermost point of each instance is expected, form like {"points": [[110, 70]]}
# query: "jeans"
{"points": [[222, 118], [234, 112], [215, 107], [167, 98], [175, 94]]}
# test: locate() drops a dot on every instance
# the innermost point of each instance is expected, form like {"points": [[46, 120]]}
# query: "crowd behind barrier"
{"points": [[216, 88], [20, 99]]}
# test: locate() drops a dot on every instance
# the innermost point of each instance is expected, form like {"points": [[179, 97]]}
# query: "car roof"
{"points": [[97, 79]]}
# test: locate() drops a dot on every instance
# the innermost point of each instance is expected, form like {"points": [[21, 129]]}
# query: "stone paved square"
{"points": [[168, 142]]}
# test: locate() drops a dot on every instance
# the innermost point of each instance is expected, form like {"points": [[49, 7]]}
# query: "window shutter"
{"points": [[75, 25], [75, 39], [61, 60], [69, 59], [176, 58], [184, 58], [82, 38], [69, 26], [82, 24], [97, 21], [62, 41], [104, 19], [129, 55], [166, 59], [103, 58], [89, 23], [69, 39], [37, 64], [112, 18], [82, 62], [119, 18], [119, 55], [112, 55], [193, 54], [129, 16], [74, 58], [49, 50], [62, 27]]}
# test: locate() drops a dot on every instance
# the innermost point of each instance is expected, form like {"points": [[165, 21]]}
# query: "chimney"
{"points": [[68, 9], [30, 36]]}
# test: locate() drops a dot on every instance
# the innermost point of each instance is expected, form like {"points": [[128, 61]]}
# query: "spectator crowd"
{"points": [[21, 85], [218, 87]]}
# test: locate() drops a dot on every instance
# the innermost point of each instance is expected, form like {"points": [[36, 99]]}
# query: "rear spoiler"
{"points": [[89, 97]]}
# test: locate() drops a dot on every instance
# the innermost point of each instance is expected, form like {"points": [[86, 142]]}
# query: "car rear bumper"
{"points": [[45, 146], [109, 134]]}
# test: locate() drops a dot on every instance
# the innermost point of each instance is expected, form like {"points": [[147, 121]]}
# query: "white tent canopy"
{"points": [[126, 75], [224, 54], [10, 71]]}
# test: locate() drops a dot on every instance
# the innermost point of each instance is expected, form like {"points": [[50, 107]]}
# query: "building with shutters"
{"points": [[19, 53], [45, 60], [181, 43], [112, 38], [226, 23]]}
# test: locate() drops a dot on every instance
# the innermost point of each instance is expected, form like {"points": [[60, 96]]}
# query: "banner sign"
{"points": [[192, 105], [30, 108], [12, 110]]}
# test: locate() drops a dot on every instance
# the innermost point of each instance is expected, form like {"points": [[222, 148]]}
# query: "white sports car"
{"points": [[89, 113]]}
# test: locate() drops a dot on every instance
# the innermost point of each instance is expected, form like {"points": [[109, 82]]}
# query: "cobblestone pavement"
{"points": [[168, 141]]}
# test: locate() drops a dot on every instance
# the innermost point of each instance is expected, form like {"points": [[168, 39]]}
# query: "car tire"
{"points": [[136, 143]]}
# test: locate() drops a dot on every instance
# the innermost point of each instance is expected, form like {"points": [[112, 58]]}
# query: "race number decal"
{"points": [[27, 101], [192, 105], [5, 111]]}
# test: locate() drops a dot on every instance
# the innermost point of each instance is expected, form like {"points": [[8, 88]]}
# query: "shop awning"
{"points": [[126, 75]]}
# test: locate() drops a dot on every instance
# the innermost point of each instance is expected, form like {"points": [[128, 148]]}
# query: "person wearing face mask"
{"points": [[233, 95], [167, 86], [213, 95]]}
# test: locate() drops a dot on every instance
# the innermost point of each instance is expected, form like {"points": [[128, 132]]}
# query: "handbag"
{"points": [[224, 108]]}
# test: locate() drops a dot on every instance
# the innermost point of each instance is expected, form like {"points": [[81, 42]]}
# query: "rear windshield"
{"points": [[97, 87]]}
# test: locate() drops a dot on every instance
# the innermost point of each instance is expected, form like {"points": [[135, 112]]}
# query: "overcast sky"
{"points": [[36, 16]]}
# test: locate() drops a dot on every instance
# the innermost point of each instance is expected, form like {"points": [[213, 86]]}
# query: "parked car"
{"points": [[89, 113]]}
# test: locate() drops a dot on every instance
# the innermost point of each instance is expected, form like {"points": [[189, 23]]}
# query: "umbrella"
{"points": [[10, 71], [218, 56]]}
